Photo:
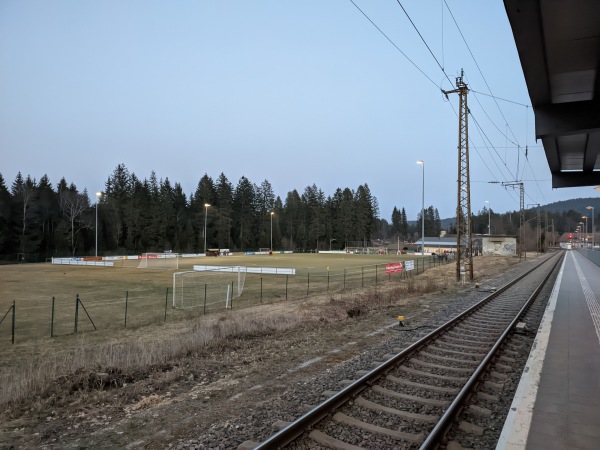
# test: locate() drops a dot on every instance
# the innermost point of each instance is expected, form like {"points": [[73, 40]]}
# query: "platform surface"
{"points": [[557, 404]]}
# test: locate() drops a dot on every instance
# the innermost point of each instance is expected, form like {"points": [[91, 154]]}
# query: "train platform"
{"points": [[557, 403]]}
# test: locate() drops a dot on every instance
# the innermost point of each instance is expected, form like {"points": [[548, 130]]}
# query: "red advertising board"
{"points": [[393, 267]]}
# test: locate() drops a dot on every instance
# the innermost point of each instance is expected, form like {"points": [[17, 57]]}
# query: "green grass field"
{"points": [[105, 292]]}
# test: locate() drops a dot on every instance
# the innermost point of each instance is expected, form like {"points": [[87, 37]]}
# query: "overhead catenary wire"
{"points": [[425, 42], [394, 44], [432, 82], [480, 129], [477, 65], [446, 75], [491, 93]]}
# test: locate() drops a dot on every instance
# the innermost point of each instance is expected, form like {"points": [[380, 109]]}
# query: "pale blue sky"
{"points": [[293, 92]]}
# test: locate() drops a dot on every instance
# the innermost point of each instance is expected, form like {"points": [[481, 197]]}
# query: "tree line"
{"points": [[135, 215]]}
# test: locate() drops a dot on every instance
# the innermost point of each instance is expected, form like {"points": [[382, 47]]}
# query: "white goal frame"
{"points": [[193, 289], [161, 261]]}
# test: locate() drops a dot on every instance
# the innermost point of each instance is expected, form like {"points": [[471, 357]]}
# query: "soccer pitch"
{"points": [[112, 295]]}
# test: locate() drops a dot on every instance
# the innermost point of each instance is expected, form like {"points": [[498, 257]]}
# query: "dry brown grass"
{"points": [[95, 361]]}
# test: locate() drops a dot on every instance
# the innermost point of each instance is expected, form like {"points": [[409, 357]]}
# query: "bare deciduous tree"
{"points": [[73, 205]]}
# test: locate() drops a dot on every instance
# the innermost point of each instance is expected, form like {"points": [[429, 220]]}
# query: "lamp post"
{"points": [[586, 230], [580, 233], [593, 228], [489, 219], [330, 241], [422, 164], [98, 195], [272, 214], [206, 205]]}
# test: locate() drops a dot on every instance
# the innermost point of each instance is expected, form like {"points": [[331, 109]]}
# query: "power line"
{"points": [[394, 44], [424, 42], [500, 98], [478, 68], [490, 142], [491, 93]]}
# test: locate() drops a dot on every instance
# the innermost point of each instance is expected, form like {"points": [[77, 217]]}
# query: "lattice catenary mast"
{"points": [[464, 242], [522, 215]]}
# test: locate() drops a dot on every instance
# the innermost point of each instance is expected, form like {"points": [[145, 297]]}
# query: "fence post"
{"points": [[344, 278], [286, 286], [166, 302], [126, 303], [375, 274], [362, 276], [86, 313], [52, 320], [261, 292], [76, 313], [14, 314], [307, 283], [231, 295], [327, 280], [204, 298]]}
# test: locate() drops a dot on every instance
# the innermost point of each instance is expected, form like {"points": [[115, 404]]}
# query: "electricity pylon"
{"points": [[464, 242]]}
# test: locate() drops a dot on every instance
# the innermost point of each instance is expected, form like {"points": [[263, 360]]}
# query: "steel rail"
{"points": [[303, 423], [440, 429]]}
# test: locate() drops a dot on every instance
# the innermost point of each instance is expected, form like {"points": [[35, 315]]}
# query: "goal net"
{"points": [[162, 261], [193, 289]]}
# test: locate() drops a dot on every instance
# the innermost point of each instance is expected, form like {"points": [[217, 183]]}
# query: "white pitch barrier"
{"points": [[259, 270], [81, 262]]}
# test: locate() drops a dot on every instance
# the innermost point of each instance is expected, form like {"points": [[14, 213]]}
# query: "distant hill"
{"points": [[576, 204]]}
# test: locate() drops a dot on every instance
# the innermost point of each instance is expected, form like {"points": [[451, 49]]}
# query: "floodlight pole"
{"points": [[98, 195], [206, 205], [422, 164], [489, 219], [272, 214], [593, 228]]}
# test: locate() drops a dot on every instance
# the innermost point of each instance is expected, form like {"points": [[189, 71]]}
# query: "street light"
{"points": [[272, 214], [489, 219], [98, 195], [206, 205], [422, 164], [586, 229], [593, 228], [330, 241], [580, 233]]}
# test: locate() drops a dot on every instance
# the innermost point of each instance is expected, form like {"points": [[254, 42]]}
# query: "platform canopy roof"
{"points": [[558, 42]]}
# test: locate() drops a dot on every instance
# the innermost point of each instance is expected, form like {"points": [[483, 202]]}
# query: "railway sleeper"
{"points": [[470, 428], [469, 362], [421, 373], [479, 411], [466, 347], [484, 396], [473, 327], [437, 366], [503, 367], [434, 347], [425, 387], [461, 334], [412, 398], [401, 435], [478, 343], [361, 401], [324, 439]]}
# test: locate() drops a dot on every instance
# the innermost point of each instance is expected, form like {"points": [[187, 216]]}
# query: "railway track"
{"points": [[412, 399]]}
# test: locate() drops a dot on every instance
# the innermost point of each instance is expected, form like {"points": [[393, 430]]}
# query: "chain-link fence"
{"points": [[107, 308]]}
